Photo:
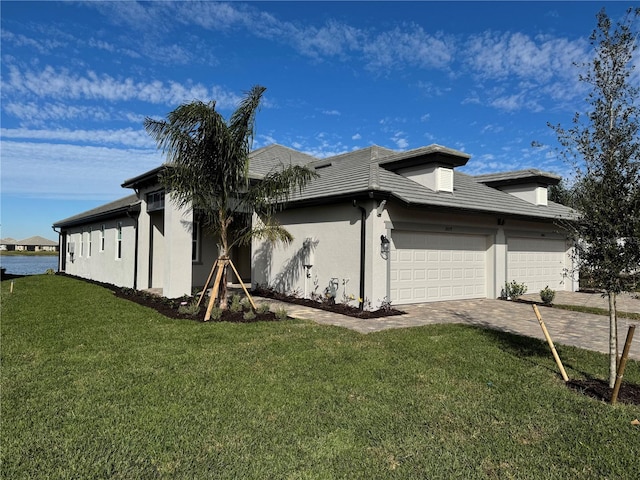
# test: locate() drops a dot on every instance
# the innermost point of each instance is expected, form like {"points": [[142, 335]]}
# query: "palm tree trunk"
{"points": [[224, 240], [613, 340]]}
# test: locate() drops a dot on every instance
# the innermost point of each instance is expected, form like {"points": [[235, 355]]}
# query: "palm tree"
{"points": [[208, 170]]}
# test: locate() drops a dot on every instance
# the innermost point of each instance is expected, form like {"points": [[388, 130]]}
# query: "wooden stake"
{"points": [[216, 286], [11, 288], [623, 364], [553, 348], [246, 292], [206, 285]]}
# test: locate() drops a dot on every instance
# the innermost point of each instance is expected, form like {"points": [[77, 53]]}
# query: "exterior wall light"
{"points": [[385, 244]]}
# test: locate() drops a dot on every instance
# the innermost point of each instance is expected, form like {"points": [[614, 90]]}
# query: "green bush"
{"points": [[249, 315], [263, 308], [547, 295], [236, 304], [281, 313], [216, 313], [189, 308], [514, 290]]}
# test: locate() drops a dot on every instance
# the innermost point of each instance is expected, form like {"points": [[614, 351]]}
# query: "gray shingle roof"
{"points": [[518, 176], [36, 241], [359, 172], [265, 159], [108, 210], [370, 170]]}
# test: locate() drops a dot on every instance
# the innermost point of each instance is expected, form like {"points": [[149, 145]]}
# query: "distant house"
{"points": [[8, 244], [376, 225], [36, 244], [31, 244]]}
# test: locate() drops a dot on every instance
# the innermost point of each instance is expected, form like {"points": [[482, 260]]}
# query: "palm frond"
{"points": [[276, 187]]}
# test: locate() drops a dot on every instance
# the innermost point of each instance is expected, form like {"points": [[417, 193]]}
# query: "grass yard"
{"points": [[93, 386]]}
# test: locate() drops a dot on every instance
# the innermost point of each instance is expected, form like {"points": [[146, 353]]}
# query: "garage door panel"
{"points": [[536, 262], [454, 266]]}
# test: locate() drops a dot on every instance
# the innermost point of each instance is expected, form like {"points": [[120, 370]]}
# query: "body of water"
{"points": [[27, 264]]}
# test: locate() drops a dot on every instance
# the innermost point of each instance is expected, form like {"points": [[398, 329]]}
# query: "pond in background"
{"points": [[28, 264]]}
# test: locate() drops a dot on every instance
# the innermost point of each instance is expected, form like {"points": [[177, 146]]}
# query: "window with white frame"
{"points": [[102, 238], [82, 243], [155, 201], [195, 242], [119, 240], [90, 243]]}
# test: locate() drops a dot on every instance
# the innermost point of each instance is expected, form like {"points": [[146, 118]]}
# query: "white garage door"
{"points": [[427, 267], [536, 262]]}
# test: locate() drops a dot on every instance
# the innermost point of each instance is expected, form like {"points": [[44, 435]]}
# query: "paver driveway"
{"points": [[565, 327]]}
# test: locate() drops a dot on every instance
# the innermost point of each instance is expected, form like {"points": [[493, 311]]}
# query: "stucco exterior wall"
{"points": [[332, 234], [91, 261]]}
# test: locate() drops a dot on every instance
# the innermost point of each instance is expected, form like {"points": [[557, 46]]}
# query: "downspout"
{"points": [[135, 250], [61, 248], [363, 238]]}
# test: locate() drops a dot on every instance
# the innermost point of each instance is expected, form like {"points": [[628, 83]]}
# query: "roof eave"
{"points": [[118, 212]]}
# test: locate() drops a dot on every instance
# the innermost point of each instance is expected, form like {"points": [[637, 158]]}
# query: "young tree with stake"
{"points": [[208, 171], [604, 147]]}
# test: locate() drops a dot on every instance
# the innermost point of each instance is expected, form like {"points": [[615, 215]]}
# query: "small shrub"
{"points": [[216, 313], [514, 290], [385, 305], [263, 308], [281, 313], [236, 305], [249, 315], [50, 271], [189, 308], [547, 295], [246, 304]]}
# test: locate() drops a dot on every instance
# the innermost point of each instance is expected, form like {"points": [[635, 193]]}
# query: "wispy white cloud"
{"points": [[125, 137], [63, 84], [49, 170], [43, 113], [40, 45], [512, 54], [331, 112], [409, 45], [400, 140]]}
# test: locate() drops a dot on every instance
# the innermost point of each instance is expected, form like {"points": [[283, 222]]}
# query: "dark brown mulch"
{"points": [[170, 307], [599, 389], [340, 308]]}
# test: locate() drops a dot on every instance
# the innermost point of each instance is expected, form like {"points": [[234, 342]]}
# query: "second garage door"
{"points": [[427, 267], [536, 262]]}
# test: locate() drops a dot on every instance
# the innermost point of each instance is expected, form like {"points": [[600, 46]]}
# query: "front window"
{"points": [[102, 238], [119, 241], [195, 242], [155, 201]]}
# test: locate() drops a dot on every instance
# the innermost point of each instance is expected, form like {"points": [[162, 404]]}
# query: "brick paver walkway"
{"points": [[565, 327]]}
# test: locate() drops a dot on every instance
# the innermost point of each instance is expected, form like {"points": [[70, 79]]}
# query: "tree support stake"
{"points": [[550, 342], [623, 364]]}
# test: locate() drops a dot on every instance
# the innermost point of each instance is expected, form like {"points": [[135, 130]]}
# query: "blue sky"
{"points": [[78, 80]]}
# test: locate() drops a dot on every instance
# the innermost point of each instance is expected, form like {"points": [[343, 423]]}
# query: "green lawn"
{"points": [[97, 387]]}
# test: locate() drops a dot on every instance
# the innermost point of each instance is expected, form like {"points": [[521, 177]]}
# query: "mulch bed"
{"points": [[599, 389], [341, 308]]}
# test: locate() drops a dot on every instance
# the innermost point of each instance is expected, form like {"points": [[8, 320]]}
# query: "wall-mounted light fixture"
{"points": [[385, 244]]}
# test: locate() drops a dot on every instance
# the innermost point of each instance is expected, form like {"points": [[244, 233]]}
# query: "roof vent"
{"points": [[434, 177], [444, 179]]}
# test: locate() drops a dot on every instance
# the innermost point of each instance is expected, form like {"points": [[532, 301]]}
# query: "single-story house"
{"points": [[8, 244], [31, 244], [377, 225]]}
